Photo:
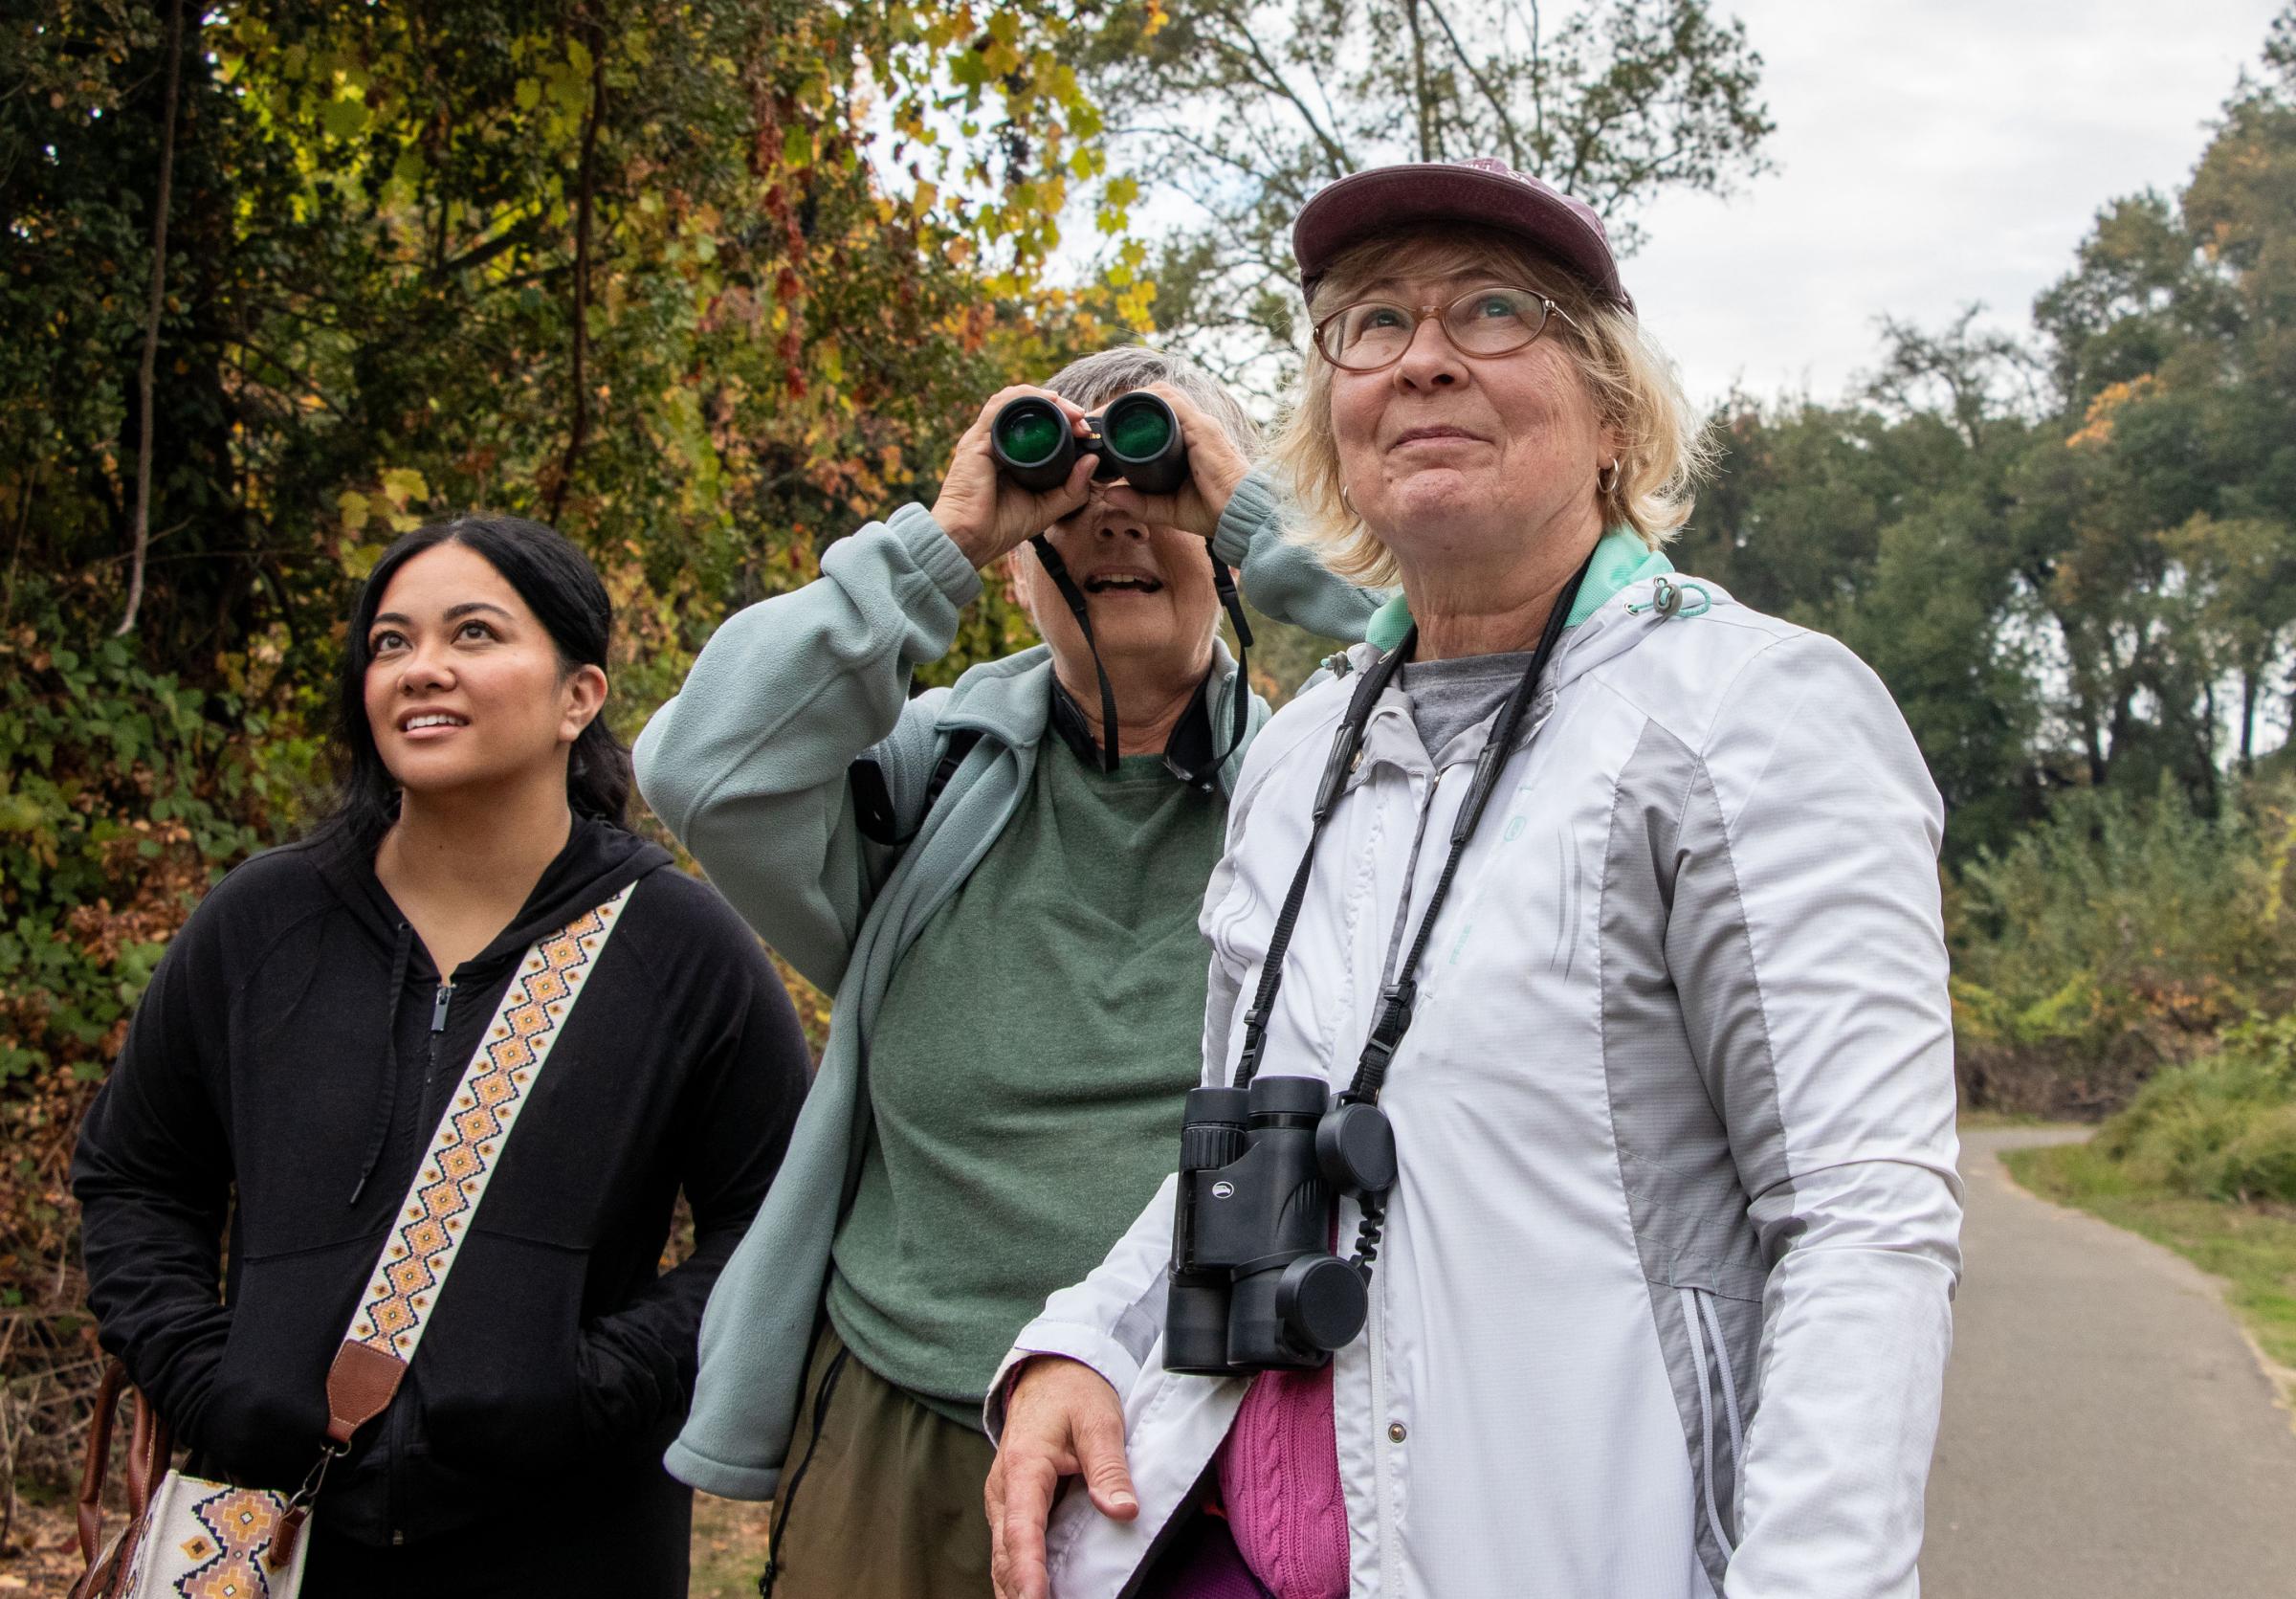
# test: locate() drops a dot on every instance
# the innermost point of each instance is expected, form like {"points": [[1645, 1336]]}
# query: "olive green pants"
{"points": [[881, 1496]]}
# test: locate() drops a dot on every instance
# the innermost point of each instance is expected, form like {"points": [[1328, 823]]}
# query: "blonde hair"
{"points": [[1662, 448]]}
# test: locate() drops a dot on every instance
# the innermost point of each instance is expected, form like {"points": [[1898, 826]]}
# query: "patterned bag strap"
{"points": [[451, 1177]]}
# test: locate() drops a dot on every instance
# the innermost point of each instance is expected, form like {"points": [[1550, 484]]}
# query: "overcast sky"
{"points": [[1928, 153]]}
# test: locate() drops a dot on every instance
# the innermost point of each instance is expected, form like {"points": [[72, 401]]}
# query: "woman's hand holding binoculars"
{"points": [[987, 511], [983, 510], [1215, 467]]}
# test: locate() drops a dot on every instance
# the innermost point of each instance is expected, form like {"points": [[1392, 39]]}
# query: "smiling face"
{"points": [[1447, 457], [464, 688], [1148, 590]]}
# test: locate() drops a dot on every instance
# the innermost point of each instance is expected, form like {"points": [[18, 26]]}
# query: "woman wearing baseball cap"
{"points": [[1618, 900]]}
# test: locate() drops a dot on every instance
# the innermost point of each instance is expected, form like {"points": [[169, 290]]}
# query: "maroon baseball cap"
{"points": [[1482, 190]]}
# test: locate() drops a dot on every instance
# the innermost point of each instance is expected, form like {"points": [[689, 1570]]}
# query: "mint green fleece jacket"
{"points": [[748, 766]]}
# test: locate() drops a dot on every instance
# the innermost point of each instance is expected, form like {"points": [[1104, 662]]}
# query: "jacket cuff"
{"points": [[1066, 1339], [1252, 514], [716, 1477], [935, 553]]}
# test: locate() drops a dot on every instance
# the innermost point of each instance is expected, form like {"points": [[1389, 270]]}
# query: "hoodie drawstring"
{"points": [[386, 1098]]}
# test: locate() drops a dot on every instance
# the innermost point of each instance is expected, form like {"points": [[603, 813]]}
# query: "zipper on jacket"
{"points": [[1382, 1449], [439, 1003], [1402, 909], [1540, 710], [397, 1421]]}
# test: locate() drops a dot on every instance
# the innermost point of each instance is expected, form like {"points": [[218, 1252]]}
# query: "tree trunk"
{"points": [[151, 322], [578, 432], [2250, 689]]}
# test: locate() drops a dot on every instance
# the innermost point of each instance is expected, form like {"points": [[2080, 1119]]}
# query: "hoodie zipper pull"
{"points": [[438, 1025]]}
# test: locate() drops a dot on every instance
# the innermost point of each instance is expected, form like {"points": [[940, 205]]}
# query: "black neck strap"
{"points": [[1225, 582], [1395, 1000]]}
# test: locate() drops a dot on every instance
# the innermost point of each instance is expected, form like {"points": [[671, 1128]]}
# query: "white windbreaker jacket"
{"points": [[1662, 1306]]}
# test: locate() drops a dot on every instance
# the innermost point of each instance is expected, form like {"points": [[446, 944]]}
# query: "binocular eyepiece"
{"points": [[1135, 437], [1254, 1285]]}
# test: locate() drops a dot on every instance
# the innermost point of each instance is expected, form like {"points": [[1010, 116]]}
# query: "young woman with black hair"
{"points": [[291, 1061]]}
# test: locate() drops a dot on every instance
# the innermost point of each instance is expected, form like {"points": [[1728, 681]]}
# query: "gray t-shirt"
{"points": [[1448, 696]]}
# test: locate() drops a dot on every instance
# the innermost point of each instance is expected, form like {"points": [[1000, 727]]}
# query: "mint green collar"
{"points": [[1620, 557]]}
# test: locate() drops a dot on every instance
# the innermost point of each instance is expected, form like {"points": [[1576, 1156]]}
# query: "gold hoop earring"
{"points": [[1607, 480]]}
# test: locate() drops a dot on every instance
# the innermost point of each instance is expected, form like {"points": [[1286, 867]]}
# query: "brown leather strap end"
{"points": [[360, 1384], [281, 1554]]}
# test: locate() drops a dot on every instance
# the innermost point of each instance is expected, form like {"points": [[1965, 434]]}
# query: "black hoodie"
{"points": [[288, 1066]]}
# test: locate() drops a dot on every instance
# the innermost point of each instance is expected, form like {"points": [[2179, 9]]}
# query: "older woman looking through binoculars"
{"points": [[1007, 918]]}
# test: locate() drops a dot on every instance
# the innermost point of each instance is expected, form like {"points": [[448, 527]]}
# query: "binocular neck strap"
{"points": [[1058, 570], [1396, 998], [1240, 698], [1225, 582]]}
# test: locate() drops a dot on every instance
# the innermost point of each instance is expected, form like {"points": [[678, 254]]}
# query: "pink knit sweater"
{"points": [[1279, 1481]]}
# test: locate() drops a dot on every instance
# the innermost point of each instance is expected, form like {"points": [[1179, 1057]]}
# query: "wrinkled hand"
{"points": [[987, 514], [1215, 467], [1063, 1420]]}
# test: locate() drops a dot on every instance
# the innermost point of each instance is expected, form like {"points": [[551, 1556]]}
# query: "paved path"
{"points": [[2108, 1434]]}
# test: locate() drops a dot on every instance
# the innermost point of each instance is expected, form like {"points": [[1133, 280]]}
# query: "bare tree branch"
{"points": [[1496, 102], [1262, 101], [1275, 82], [1423, 110]]}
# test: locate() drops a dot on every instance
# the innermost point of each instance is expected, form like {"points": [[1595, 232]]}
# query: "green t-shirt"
{"points": [[1026, 1073]]}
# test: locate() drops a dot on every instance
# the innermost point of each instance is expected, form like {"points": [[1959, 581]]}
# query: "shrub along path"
{"points": [[2108, 1432]]}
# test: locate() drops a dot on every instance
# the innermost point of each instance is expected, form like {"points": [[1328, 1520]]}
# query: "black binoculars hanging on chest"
{"points": [[1135, 437], [1254, 1285]]}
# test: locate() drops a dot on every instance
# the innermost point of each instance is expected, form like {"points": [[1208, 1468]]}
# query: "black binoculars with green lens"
{"points": [[1136, 437]]}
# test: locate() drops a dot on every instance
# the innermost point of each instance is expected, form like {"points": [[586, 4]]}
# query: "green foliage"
{"points": [[2221, 1127], [705, 286], [2120, 915], [122, 793], [2157, 525]]}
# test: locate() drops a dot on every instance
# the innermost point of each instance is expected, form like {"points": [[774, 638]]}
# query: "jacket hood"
{"points": [[1011, 698], [598, 861], [1011, 701], [1631, 590], [1619, 557], [1604, 625]]}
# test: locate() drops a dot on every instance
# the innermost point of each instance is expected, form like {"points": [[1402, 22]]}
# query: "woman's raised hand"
{"points": [[1062, 1420], [984, 512], [1215, 467]]}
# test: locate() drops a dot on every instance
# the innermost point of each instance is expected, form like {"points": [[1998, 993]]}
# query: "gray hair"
{"points": [[1095, 380]]}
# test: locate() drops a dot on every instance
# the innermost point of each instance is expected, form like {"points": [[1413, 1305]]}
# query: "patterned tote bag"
{"points": [[192, 1538]]}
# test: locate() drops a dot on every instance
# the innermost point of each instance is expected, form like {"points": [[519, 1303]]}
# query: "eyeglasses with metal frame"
{"points": [[1372, 335]]}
